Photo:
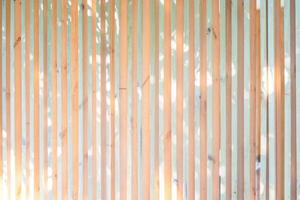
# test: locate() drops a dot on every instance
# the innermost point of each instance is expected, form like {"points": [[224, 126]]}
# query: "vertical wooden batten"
{"points": [[123, 98], [228, 99], [167, 103], [179, 96], [18, 99], [36, 103], [293, 191], [64, 91], [74, 92], [191, 189], [134, 100], [54, 99], [203, 100], [279, 97]]}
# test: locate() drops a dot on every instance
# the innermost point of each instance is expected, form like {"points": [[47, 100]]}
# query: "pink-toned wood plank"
{"points": [[54, 98], [191, 189], [103, 102], [167, 104], [240, 98], [112, 95], [64, 91], [146, 99], [123, 98], [228, 99], [134, 100], [179, 97], [279, 97], [294, 170], [203, 100], [36, 104], [18, 99]]}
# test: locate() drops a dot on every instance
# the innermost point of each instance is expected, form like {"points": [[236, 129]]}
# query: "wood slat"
{"points": [[216, 113], [27, 95], [240, 98], [228, 99], [293, 191], [112, 95], [18, 99], [1, 110], [8, 103], [64, 91], [54, 99], [74, 80], [123, 98], [36, 104], [203, 100], [134, 100], [253, 104], [179, 97], [103, 102], [167, 103], [45, 90], [191, 189]]}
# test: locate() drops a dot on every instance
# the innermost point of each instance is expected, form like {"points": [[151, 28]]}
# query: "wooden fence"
{"points": [[149, 99]]}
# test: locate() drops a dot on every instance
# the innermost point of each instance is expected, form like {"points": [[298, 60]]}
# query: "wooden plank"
{"points": [[191, 189], [123, 98], [279, 97], [85, 97], [18, 99], [156, 100], [27, 95], [94, 106], [1, 112], [75, 105], [252, 98], [228, 99], [258, 100], [216, 97], [179, 97], [103, 102], [45, 90], [112, 95], [167, 104], [203, 100], [64, 92], [36, 104], [54, 98], [293, 183], [240, 94], [8, 103], [134, 100], [146, 99]]}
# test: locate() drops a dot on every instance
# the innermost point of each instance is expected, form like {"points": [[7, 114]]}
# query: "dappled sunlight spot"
{"points": [[4, 135]]}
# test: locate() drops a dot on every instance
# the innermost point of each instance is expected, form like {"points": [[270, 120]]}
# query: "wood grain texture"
{"points": [[36, 104], [18, 99], [216, 113], [203, 100], [279, 96], [293, 191], [74, 92], [134, 100], [228, 99], [191, 188], [103, 101], [112, 96], [64, 97], [167, 103], [45, 93], [240, 98], [179, 97], [8, 97], [54, 100], [123, 98]]}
